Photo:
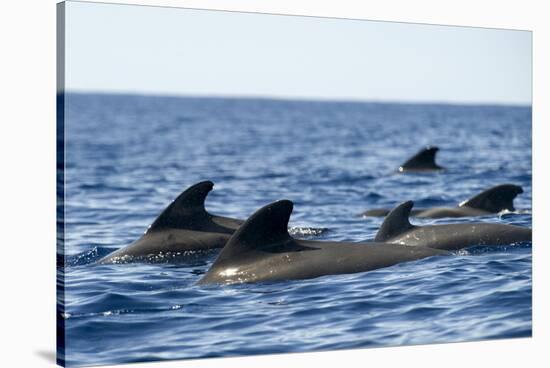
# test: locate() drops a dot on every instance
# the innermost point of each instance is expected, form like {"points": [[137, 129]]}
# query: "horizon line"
{"points": [[297, 98]]}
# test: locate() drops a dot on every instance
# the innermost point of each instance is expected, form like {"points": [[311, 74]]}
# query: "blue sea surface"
{"points": [[127, 157]]}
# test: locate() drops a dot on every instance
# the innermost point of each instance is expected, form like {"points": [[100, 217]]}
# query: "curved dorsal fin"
{"points": [[495, 199], [423, 160], [186, 210], [396, 222], [266, 228]]}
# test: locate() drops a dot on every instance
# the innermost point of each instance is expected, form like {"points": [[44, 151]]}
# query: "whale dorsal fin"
{"points": [[396, 222], [495, 199], [423, 160], [186, 211], [266, 228]]}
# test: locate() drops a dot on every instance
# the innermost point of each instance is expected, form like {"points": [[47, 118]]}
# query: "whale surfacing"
{"points": [[493, 200], [183, 226], [397, 229], [423, 161], [263, 250]]}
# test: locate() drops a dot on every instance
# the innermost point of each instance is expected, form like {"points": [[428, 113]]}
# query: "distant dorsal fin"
{"points": [[423, 160], [186, 211], [266, 228], [495, 199], [396, 222]]}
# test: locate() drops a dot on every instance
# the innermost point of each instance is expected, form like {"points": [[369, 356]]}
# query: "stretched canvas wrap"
{"points": [[235, 184]]}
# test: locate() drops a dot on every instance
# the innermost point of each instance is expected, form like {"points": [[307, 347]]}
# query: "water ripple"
{"points": [[333, 159]]}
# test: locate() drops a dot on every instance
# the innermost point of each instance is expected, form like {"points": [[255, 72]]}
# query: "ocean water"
{"points": [[127, 157]]}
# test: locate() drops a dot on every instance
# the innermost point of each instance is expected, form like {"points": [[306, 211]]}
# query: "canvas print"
{"points": [[234, 184]]}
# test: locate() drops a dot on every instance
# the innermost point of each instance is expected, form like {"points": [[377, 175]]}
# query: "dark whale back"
{"points": [[266, 228], [397, 229], [495, 199], [424, 160], [183, 226], [187, 212], [262, 249], [396, 222], [492, 200]]}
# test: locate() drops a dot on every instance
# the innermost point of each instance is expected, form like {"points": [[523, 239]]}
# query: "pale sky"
{"points": [[168, 51]]}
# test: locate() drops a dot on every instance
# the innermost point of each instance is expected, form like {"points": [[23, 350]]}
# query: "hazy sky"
{"points": [[121, 48]]}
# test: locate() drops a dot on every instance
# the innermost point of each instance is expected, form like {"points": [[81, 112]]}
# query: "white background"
{"points": [[27, 206]]}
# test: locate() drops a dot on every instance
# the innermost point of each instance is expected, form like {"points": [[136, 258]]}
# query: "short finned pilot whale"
{"points": [[397, 229], [423, 161], [490, 201], [263, 250], [183, 226]]}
